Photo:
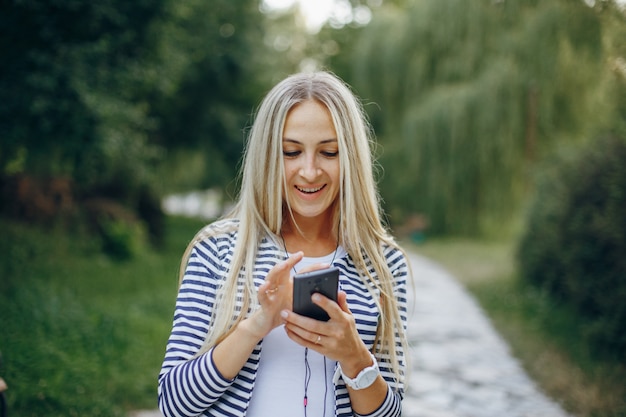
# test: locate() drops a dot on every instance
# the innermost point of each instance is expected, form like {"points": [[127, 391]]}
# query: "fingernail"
{"points": [[317, 297], [284, 314]]}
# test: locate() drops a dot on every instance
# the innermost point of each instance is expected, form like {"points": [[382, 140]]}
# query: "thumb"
{"points": [[342, 300]]}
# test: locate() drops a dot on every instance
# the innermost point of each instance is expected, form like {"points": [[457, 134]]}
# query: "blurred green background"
{"points": [[501, 129]]}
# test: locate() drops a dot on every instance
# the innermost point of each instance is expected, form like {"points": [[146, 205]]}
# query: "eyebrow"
{"points": [[325, 141]]}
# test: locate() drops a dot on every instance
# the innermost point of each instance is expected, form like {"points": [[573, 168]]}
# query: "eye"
{"points": [[330, 154], [291, 154]]}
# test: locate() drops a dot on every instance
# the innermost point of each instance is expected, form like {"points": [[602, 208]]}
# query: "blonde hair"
{"points": [[260, 208]]}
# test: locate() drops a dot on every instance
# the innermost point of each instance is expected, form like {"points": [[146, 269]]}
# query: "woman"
{"points": [[308, 200]]}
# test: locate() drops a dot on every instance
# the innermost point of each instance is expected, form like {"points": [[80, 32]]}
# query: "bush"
{"points": [[574, 245], [81, 334], [123, 235]]}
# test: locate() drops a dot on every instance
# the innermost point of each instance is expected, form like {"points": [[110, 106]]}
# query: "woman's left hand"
{"points": [[337, 339]]}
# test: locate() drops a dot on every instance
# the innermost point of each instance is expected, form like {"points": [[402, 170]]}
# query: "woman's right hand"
{"points": [[274, 295]]}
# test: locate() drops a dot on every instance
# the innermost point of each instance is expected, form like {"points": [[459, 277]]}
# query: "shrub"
{"points": [[122, 240], [123, 235], [574, 245]]}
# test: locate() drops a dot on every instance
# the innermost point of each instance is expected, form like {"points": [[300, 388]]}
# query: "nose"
{"points": [[309, 169]]}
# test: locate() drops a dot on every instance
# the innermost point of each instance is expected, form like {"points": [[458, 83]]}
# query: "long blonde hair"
{"points": [[260, 208]]}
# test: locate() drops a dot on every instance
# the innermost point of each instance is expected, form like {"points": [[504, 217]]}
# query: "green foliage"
{"points": [[72, 96], [575, 241], [469, 95], [98, 92], [212, 75], [123, 240], [82, 335], [55, 55]]}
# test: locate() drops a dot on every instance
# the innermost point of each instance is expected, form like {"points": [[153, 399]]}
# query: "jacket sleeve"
{"points": [[189, 384], [392, 406]]}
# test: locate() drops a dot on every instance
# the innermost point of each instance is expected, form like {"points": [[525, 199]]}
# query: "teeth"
{"points": [[309, 190]]}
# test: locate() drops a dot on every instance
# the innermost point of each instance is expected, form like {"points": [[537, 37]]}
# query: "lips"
{"points": [[308, 190]]}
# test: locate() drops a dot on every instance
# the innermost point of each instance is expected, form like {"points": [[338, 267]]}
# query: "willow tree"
{"points": [[468, 95]]}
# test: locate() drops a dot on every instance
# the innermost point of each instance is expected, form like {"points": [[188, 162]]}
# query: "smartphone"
{"points": [[323, 281]]}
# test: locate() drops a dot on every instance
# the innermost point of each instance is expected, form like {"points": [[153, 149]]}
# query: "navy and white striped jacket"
{"points": [[191, 386]]}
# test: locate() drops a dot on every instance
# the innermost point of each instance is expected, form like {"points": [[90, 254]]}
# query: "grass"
{"points": [[83, 334], [543, 335]]}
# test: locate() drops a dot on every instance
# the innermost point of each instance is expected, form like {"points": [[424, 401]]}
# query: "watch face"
{"points": [[367, 378]]}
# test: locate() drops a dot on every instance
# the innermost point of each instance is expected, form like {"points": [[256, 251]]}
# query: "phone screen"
{"points": [[323, 281]]}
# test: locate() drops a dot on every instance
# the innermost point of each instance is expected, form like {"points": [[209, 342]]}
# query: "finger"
{"points": [[279, 274], [294, 259], [328, 305], [302, 336], [268, 292], [342, 300], [265, 290], [302, 324], [303, 330], [293, 335]]}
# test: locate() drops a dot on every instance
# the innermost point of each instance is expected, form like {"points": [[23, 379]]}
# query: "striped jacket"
{"points": [[191, 386]]}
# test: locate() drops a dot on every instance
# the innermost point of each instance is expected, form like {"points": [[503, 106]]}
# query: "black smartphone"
{"points": [[323, 281]]}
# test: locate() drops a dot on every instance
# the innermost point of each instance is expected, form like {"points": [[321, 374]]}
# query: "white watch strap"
{"points": [[352, 382]]}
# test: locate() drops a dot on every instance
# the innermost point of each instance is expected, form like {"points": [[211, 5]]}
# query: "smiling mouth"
{"points": [[310, 190]]}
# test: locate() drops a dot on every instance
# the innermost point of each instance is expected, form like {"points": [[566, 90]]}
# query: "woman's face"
{"points": [[311, 157]]}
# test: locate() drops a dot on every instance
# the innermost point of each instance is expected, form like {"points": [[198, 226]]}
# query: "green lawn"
{"points": [[544, 336], [83, 335]]}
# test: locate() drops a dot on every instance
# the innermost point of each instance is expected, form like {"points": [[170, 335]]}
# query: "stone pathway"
{"points": [[461, 367]]}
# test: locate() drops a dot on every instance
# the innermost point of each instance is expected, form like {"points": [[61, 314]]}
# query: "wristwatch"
{"points": [[364, 379]]}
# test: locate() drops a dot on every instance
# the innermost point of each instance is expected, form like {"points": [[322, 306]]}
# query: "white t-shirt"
{"points": [[280, 379]]}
